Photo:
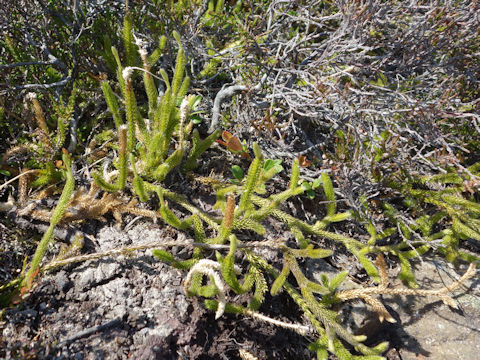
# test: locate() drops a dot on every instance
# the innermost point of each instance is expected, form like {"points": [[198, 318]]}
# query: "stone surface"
{"points": [[425, 328], [431, 328], [131, 307]]}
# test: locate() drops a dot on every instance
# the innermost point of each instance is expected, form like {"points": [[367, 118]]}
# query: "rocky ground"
{"points": [[135, 307]]}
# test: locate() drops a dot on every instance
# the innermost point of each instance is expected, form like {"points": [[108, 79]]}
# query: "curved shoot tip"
{"points": [[66, 158], [164, 76], [257, 151], [177, 37], [162, 42]]}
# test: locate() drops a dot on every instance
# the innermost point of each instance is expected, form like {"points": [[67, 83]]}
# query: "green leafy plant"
{"points": [[311, 186], [237, 174], [453, 196], [23, 284], [148, 142], [56, 216]]}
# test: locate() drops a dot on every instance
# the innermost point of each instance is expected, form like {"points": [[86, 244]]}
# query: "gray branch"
{"points": [[62, 82], [25, 63], [221, 96], [227, 92]]}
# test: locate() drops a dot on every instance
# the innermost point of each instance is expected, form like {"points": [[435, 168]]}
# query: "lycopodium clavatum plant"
{"points": [[23, 284], [148, 149], [239, 269], [145, 140]]}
